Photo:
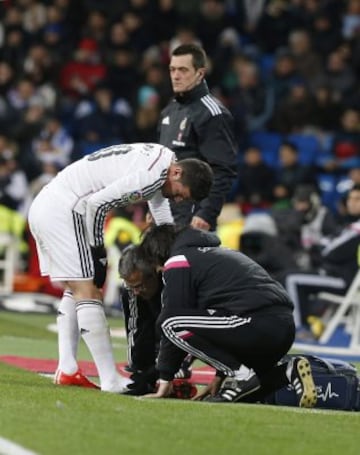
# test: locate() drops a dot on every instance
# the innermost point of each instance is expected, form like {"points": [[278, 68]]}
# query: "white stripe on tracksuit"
{"points": [[302, 279], [171, 325], [132, 327]]}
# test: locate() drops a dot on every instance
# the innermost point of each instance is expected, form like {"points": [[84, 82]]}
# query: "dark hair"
{"points": [[133, 260], [355, 187], [290, 145], [198, 176], [157, 242], [198, 54]]}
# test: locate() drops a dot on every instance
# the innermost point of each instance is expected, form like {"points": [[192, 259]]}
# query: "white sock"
{"points": [[244, 373], [95, 331], [68, 334]]}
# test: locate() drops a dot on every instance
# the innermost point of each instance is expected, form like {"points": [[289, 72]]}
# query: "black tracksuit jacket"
{"points": [[197, 125], [200, 274]]}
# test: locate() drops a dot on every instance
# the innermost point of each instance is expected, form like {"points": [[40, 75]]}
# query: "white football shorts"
{"points": [[62, 246]]}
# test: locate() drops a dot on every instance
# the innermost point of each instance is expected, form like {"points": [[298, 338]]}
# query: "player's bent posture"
{"points": [[224, 309], [67, 219]]}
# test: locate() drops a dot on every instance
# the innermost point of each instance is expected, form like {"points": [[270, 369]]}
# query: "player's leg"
{"points": [[201, 335], [68, 371], [70, 262], [94, 330], [68, 334]]}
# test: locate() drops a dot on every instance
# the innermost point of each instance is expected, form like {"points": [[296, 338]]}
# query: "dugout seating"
{"points": [[348, 312]]}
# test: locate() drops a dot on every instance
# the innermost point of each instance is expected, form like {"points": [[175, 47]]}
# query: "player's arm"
{"points": [[160, 209], [178, 294], [124, 191]]}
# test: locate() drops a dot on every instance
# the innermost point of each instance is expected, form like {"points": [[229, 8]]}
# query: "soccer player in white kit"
{"points": [[67, 219]]}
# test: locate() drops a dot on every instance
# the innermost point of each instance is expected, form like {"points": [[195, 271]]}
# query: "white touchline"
{"points": [[11, 448]]}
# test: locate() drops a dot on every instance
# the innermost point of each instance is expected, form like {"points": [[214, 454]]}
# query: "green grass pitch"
{"points": [[50, 420]]}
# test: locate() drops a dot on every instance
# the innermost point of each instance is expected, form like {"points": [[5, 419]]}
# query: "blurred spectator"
{"points": [[53, 144], [106, 119], [22, 94], [137, 27], [275, 25], [212, 19], [303, 226], [39, 64], [117, 39], [249, 15], [254, 187], [339, 75], [7, 113], [228, 46], [123, 74], [284, 74], [56, 35], [27, 127], [326, 110], [166, 19], [79, 76], [34, 16], [15, 46], [156, 78], [350, 179], [183, 35], [7, 77], [147, 115], [337, 268], [48, 170], [308, 62], [291, 172], [96, 27], [251, 102], [13, 182], [351, 20], [324, 36], [346, 143], [295, 112]]}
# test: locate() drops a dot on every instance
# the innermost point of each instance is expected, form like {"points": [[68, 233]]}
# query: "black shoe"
{"points": [[300, 377], [233, 390]]}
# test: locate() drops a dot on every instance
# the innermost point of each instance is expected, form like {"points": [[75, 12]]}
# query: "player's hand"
{"points": [[100, 265], [211, 389], [164, 390], [199, 223]]}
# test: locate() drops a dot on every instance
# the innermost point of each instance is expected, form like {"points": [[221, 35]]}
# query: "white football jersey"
{"points": [[116, 176]]}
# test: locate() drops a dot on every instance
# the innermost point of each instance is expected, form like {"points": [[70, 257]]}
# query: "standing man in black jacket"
{"points": [[196, 124], [223, 308]]}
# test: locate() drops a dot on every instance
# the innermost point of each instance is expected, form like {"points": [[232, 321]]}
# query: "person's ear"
{"points": [[201, 74], [177, 172]]}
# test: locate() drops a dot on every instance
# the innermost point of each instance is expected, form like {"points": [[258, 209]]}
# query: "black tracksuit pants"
{"points": [[258, 340]]}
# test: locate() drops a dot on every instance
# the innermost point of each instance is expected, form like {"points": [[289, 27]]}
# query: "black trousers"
{"points": [[257, 340]]}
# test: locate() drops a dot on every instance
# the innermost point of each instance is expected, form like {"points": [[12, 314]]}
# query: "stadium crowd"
{"points": [[78, 75]]}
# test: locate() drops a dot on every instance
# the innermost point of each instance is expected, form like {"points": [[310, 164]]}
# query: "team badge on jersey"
{"points": [[183, 124], [133, 197]]}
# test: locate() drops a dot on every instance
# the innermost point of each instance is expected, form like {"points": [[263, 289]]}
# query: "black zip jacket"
{"points": [[140, 320], [200, 274], [197, 125]]}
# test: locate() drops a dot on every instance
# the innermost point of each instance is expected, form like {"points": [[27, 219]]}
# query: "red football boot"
{"points": [[76, 379]]}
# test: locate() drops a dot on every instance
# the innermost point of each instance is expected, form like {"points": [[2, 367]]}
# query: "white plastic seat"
{"points": [[348, 312]]}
